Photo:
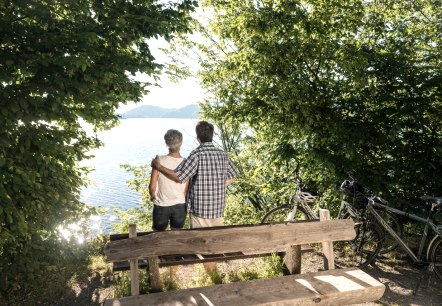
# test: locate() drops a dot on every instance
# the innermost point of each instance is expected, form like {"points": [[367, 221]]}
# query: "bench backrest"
{"points": [[229, 239]]}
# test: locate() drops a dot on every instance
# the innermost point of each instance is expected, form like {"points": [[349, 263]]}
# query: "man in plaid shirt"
{"points": [[210, 171]]}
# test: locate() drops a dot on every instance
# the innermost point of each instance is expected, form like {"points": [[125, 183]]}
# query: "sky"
{"points": [[170, 94]]}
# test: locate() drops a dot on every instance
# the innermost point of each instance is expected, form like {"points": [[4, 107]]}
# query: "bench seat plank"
{"points": [[228, 239], [333, 287]]}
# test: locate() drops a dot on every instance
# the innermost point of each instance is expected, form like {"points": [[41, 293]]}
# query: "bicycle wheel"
{"points": [[361, 251], [434, 255], [389, 243], [283, 213]]}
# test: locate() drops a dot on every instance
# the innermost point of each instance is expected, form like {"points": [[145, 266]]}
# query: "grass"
{"points": [[172, 280], [258, 268]]}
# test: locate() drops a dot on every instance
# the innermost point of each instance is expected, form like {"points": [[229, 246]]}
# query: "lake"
{"points": [[134, 142]]}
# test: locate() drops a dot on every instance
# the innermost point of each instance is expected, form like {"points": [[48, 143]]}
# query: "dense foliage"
{"points": [[334, 85], [63, 62]]}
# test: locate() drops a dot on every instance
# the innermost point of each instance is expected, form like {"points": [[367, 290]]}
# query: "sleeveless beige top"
{"points": [[169, 192]]}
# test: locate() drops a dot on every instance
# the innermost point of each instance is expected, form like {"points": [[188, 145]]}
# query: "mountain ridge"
{"points": [[190, 111]]}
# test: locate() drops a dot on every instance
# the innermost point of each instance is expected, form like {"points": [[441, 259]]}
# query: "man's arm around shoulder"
{"points": [[169, 173]]}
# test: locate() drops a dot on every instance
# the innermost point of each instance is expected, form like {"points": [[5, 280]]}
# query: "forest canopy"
{"points": [[336, 86]]}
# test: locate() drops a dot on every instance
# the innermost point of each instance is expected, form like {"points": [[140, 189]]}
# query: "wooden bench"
{"points": [[329, 287], [191, 259]]}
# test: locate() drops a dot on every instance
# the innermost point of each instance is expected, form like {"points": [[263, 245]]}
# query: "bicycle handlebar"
{"points": [[375, 198], [437, 200], [352, 187]]}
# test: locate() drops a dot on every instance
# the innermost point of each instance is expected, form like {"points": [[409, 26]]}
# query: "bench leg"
{"points": [[327, 247], [292, 260], [154, 274], [134, 281]]}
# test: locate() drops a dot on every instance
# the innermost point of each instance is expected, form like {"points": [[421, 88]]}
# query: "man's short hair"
{"points": [[204, 131], [173, 139]]}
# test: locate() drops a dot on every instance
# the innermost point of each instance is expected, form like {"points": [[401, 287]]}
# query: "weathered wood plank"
{"points": [[292, 260], [134, 281], [334, 287], [120, 236], [229, 239], [327, 247], [154, 274]]}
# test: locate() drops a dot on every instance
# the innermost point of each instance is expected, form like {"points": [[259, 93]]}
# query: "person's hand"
{"points": [[155, 164]]}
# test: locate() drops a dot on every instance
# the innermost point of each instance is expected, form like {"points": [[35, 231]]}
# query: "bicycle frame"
{"points": [[428, 224], [296, 201], [348, 208]]}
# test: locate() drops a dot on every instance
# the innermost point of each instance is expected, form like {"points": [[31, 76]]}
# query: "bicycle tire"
{"points": [[435, 255], [389, 243], [281, 213], [361, 251]]}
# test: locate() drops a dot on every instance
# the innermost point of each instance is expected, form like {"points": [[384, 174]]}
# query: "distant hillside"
{"points": [[150, 111], [145, 111], [189, 111]]}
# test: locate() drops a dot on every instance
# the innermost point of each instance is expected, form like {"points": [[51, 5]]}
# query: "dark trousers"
{"points": [[163, 215]]}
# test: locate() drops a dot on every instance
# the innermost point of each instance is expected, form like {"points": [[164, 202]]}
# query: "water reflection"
{"points": [[83, 230]]}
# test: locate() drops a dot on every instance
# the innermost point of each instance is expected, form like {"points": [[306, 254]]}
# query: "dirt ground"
{"points": [[400, 278], [394, 272]]}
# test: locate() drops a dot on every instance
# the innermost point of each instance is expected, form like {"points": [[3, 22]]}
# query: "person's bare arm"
{"points": [[153, 183], [229, 181], [186, 190], [231, 172], [170, 174]]}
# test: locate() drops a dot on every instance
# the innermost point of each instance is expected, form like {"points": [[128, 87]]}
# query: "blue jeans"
{"points": [[162, 215]]}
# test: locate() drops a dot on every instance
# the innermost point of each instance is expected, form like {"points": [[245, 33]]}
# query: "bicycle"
{"points": [[297, 208], [355, 197], [359, 252], [433, 255]]}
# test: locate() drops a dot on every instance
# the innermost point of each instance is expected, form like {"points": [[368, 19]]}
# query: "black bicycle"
{"points": [[354, 200], [430, 256]]}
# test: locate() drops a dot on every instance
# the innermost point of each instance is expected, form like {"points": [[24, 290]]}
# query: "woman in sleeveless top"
{"points": [[168, 197]]}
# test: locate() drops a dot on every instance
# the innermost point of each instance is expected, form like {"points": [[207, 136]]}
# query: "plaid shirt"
{"points": [[208, 168]]}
